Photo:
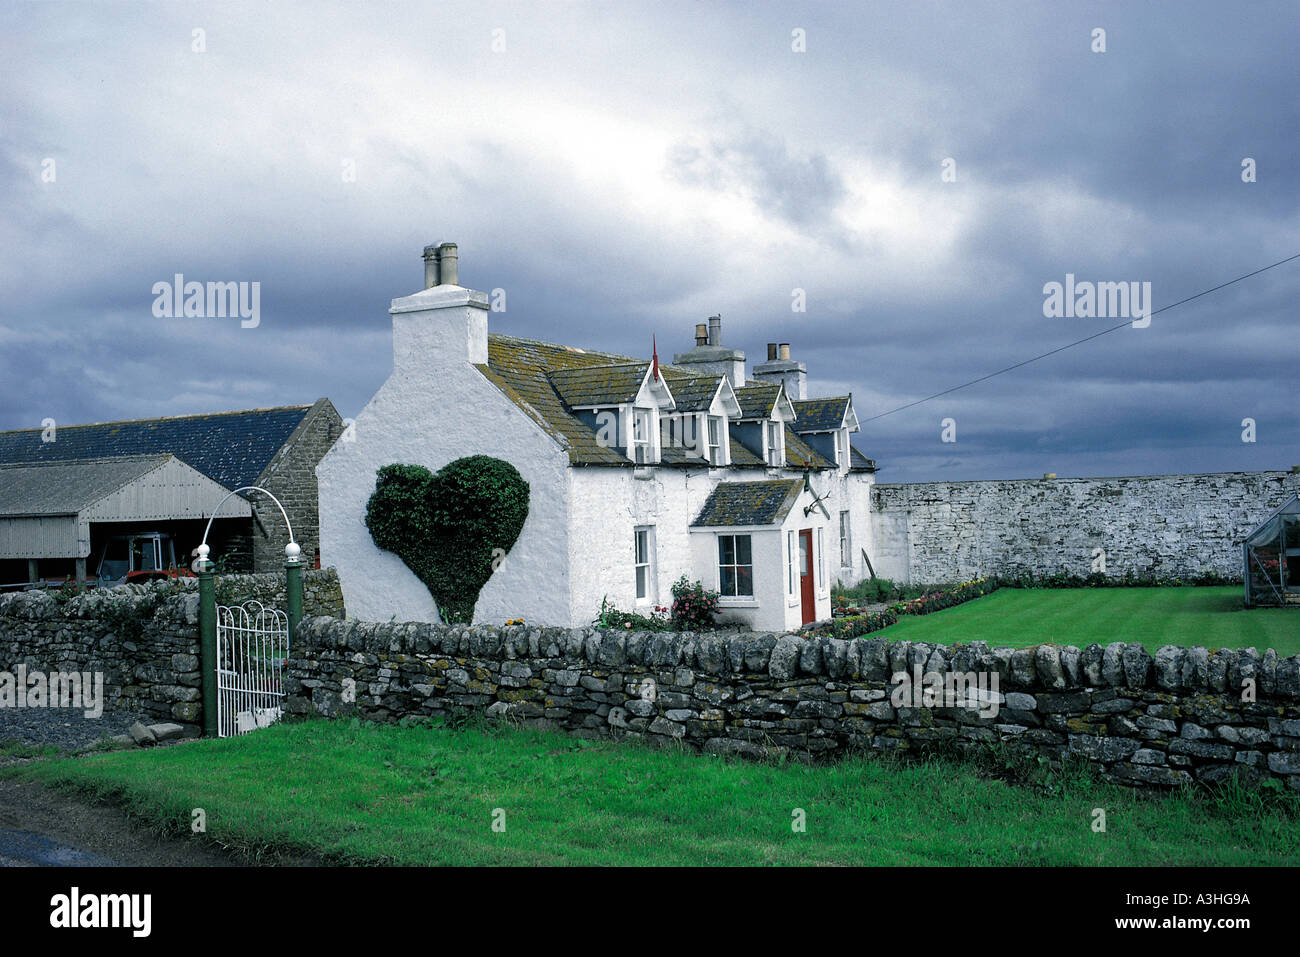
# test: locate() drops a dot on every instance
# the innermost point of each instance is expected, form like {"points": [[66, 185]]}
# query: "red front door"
{"points": [[806, 576]]}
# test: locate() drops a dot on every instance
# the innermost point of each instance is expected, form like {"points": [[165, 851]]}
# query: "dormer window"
{"points": [[842, 448], [715, 431], [639, 451], [775, 444]]}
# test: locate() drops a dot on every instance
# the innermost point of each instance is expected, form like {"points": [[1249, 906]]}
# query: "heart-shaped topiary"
{"points": [[451, 528]]}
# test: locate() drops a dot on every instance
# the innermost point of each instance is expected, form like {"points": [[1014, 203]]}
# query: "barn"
{"points": [[56, 522]]}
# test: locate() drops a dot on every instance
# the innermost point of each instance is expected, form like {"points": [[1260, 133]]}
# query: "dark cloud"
{"points": [[622, 176]]}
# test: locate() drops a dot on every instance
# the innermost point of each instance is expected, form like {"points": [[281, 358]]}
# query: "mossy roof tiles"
{"points": [[546, 381], [820, 415], [748, 503]]}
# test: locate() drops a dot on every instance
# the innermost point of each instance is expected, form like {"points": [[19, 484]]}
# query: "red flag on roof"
{"points": [[654, 350]]}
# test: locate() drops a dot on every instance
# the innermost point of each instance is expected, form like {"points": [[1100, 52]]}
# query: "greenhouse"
{"points": [[1271, 554]]}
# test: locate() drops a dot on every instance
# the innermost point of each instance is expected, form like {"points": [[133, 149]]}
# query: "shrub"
{"points": [[693, 606], [451, 528], [611, 617], [1027, 578]]}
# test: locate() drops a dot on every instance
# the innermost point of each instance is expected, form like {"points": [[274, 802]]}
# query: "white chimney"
{"points": [[779, 367], [442, 325], [710, 358]]}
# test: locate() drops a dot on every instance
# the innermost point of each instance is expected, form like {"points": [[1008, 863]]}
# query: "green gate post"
{"points": [[208, 641], [293, 586]]}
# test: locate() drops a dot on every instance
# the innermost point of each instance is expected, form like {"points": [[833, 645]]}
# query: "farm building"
{"points": [[169, 473], [1271, 558], [47, 511]]}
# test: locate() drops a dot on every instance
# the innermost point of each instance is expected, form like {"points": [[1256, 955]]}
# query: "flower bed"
{"points": [[851, 626]]}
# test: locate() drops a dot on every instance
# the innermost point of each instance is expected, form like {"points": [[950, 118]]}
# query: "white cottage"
{"points": [[640, 472]]}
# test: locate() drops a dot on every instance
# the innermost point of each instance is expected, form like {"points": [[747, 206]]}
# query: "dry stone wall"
{"points": [[1158, 525], [144, 639], [1174, 718]]}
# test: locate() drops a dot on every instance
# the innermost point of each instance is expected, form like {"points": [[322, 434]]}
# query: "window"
{"points": [[789, 561], [842, 447], [775, 444], [821, 562], [643, 558], [640, 436], [735, 566], [715, 440], [846, 541]]}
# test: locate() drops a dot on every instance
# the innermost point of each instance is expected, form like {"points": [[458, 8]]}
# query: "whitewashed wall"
{"points": [[1165, 525], [436, 407]]}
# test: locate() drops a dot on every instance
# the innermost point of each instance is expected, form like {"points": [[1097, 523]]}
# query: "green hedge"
{"points": [[452, 528]]}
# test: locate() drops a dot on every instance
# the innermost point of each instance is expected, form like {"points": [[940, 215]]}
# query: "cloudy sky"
{"points": [[623, 171]]}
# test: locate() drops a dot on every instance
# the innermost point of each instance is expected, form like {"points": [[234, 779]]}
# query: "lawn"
{"points": [[363, 793], [1021, 617]]}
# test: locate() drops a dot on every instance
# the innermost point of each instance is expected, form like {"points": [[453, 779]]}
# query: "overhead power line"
{"points": [[1079, 342]]}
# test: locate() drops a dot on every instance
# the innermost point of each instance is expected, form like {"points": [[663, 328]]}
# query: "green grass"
{"points": [[13, 748], [362, 793], [1019, 618]]}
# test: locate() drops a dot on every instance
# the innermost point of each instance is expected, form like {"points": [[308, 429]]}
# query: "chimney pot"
{"points": [[430, 266], [701, 334], [715, 330], [448, 255], [771, 351], [784, 352]]}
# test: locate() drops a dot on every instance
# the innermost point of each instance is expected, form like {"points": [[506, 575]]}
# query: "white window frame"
{"points": [[714, 451], [651, 591], [640, 449], [789, 562], [774, 443], [736, 536], [846, 539], [821, 563], [842, 448]]}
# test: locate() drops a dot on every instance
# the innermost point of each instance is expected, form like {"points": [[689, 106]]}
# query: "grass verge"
{"points": [[354, 792]]}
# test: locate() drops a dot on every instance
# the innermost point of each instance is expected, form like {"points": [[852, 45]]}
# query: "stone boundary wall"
{"points": [[1173, 719], [144, 638], [1161, 525]]}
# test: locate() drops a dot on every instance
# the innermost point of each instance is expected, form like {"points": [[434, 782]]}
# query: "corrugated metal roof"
{"points": [[749, 503], [231, 448], [65, 488]]}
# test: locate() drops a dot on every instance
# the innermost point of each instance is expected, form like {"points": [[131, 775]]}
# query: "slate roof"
{"points": [[859, 462], [692, 393], [613, 384], [748, 503], [231, 448], [798, 453], [547, 381], [757, 399], [820, 415], [66, 487]]}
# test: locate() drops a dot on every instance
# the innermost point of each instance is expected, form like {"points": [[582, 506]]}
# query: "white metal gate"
{"points": [[252, 646]]}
